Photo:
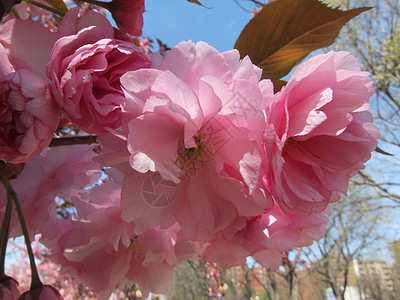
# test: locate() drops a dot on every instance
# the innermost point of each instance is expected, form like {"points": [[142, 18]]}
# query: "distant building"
{"points": [[395, 249], [375, 270], [375, 278]]}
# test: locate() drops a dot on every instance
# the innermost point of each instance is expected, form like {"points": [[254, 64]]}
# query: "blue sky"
{"points": [[219, 25]]}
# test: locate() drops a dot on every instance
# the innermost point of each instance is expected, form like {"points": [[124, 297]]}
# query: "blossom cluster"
{"points": [[196, 154]]}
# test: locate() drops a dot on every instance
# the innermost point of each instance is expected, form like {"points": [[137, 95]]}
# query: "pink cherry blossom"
{"points": [[8, 288], [75, 20], [5, 66], [128, 15], [85, 69], [318, 132], [104, 253], [16, 36], [195, 133], [56, 172], [29, 116], [265, 237], [45, 292]]}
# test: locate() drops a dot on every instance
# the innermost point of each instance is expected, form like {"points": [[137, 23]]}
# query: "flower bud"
{"points": [[128, 15], [8, 288], [29, 116], [44, 292], [10, 170]]}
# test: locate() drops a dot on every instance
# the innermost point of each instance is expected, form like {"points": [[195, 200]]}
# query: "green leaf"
{"points": [[59, 4], [284, 32]]}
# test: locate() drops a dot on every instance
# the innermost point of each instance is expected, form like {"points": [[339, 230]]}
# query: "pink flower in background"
{"points": [[8, 288], [255, 11], [194, 134], [318, 132], [29, 11], [85, 69], [50, 273], [128, 15], [28, 116], [45, 292], [145, 45]]}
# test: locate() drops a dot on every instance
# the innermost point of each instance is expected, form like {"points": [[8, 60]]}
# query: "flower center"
{"points": [[289, 143], [12, 129], [194, 159]]}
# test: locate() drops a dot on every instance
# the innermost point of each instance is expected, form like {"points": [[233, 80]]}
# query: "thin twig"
{"points": [[74, 140], [35, 280]]}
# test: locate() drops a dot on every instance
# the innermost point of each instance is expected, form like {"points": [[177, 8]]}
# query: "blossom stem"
{"points": [[45, 7], [74, 140], [36, 282], [105, 5], [15, 12], [5, 227]]}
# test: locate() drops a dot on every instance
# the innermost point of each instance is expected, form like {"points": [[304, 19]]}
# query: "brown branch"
{"points": [[74, 140], [264, 286], [259, 3], [392, 196]]}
